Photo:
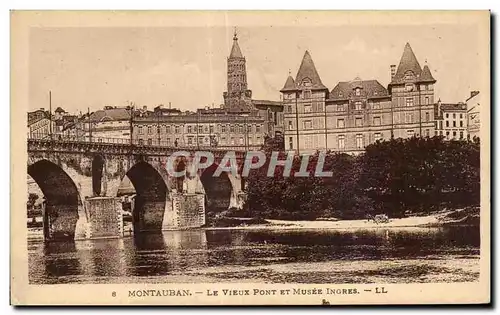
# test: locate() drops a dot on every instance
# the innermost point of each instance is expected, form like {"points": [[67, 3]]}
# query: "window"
{"points": [[223, 140], [257, 128], [150, 131], [341, 141], [141, 142], [289, 109], [359, 141], [410, 133], [409, 118], [211, 129], [150, 141], [190, 140], [423, 87], [249, 128], [461, 134], [376, 105], [454, 123], [340, 107], [447, 115], [441, 124], [167, 129], [376, 121], [200, 129], [258, 140], [241, 141], [409, 87], [307, 124], [378, 136], [359, 122], [454, 134], [177, 129], [206, 129], [290, 125], [190, 129], [427, 116], [157, 129], [427, 132], [426, 100], [200, 140], [231, 128], [308, 142], [461, 123], [223, 128], [250, 141], [409, 101], [340, 123], [168, 141], [140, 130], [461, 116], [454, 116], [307, 94], [357, 106], [307, 108], [447, 135], [358, 91]]}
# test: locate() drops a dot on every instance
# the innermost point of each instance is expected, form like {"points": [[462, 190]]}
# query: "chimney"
{"points": [[144, 107], [393, 71]]}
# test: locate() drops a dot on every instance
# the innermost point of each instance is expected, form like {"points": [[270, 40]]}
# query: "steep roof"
{"points": [[289, 85], [426, 75], [110, 114], [235, 51], [369, 89], [59, 110], [408, 62], [307, 70]]}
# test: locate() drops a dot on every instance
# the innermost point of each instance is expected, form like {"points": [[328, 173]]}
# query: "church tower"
{"points": [[238, 97]]}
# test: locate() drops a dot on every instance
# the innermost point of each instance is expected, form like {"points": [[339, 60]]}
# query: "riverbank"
{"points": [[466, 216]]}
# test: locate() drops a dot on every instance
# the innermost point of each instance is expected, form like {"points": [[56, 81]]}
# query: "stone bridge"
{"points": [[80, 182]]}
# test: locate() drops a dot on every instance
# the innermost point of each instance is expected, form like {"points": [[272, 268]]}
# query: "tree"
{"points": [[32, 198]]}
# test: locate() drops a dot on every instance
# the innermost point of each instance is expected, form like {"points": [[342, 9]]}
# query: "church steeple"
{"points": [[235, 51], [237, 97]]}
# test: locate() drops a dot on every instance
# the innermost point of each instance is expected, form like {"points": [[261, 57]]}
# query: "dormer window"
{"points": [[307, 94], [340, 94], [357, 91], [306, 82], [409, 87], [409, 75]]}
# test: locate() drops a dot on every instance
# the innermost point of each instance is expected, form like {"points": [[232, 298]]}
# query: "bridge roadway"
{"points": [[80, 181]]}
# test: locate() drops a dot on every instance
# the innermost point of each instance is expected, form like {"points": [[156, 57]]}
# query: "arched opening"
{"points": [[60, 209], [217, 190], [148, 205], [97, 167]]}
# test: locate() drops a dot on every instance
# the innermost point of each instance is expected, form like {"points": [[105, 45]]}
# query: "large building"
{"points": [[240, 122], [205, 128], [451, 120], [474, 114], [358, 112], [40, 125]]}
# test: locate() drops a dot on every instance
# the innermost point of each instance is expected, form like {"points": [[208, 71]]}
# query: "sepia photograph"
{"points": [[240, 158]]}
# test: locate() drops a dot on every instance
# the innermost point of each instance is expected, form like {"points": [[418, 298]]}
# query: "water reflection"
{"points": [[179, 253]]}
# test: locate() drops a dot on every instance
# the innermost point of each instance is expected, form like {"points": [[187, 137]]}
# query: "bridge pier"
{"points": [[104, 217]]}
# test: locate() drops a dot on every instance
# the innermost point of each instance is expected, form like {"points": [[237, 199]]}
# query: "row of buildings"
{"points": [[308, 117]]}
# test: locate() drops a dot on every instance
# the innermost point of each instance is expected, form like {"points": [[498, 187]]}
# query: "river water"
{"points": [[446, 254]]}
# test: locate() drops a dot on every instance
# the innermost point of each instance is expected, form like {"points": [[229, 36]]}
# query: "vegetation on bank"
{"points": [[398, 177]]}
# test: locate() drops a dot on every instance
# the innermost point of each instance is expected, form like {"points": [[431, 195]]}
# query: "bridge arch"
{"points": [[218, 190], [150, 199], [62, 199]]}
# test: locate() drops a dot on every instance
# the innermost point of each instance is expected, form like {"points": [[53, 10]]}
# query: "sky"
{"points": [[91, 67]]}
